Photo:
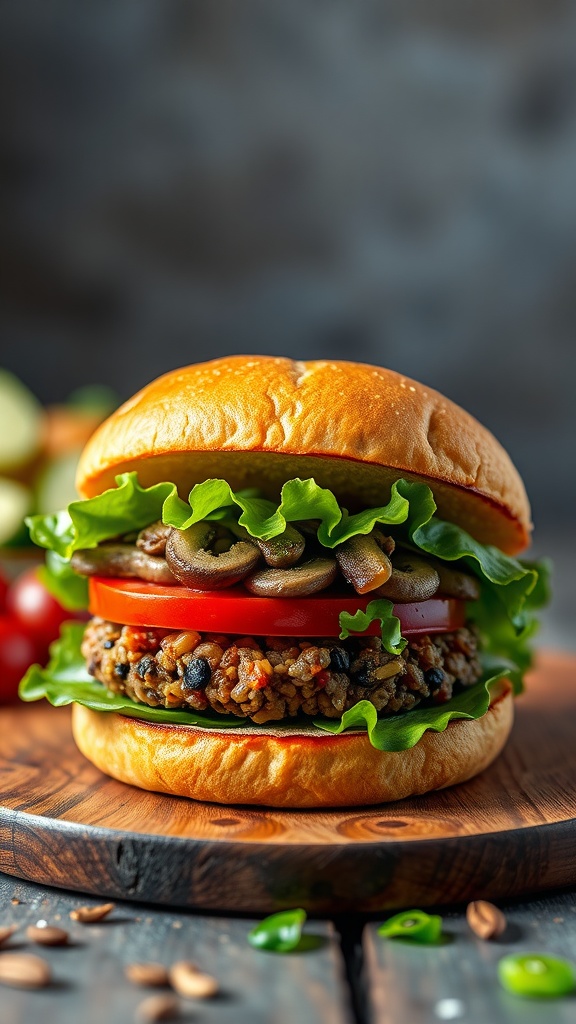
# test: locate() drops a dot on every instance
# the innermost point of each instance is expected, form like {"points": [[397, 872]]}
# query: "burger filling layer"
{"points": [[274, 678]]}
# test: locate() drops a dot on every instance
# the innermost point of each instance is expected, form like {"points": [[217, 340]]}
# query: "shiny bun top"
{"points": [[260, 420]]}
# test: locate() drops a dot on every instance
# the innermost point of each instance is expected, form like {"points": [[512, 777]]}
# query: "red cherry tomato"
{"points": [[3, 592], [35, 608], [17, 652], [135, 603]]}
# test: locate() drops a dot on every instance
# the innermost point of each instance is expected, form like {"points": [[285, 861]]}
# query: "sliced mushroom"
{"points": [[309, 526], [153, 538], [363, 563], [121, 560], [194, 565], [300, 580], [454, 583], [412, 579], [280, 551], [284, 550]]}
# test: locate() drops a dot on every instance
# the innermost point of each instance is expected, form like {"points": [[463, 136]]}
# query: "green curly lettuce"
{"points": [[85, 523]]}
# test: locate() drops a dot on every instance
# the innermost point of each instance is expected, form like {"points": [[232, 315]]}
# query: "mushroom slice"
{"points": [[121, 560], [194, 565], [454, 583], [412, 579], [153, 538], [280, 551], [363, 563], [298, 581], [284, 550]]}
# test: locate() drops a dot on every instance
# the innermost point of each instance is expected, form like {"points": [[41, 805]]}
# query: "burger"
{"points": [[303, 587]]}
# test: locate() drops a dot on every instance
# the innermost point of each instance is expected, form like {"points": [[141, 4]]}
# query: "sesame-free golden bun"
{"points": [[284, 768], [257, 421]]}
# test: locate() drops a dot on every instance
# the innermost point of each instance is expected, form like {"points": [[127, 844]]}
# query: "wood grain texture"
{"points": [[89, 984], [509, 831], [458, 981]]}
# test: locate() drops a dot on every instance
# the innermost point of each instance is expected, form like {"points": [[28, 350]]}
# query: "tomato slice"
{"points": [[136, 603]]}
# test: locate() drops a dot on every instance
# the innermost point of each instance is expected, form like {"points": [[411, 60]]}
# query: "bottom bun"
{"points": [[281, 768]]}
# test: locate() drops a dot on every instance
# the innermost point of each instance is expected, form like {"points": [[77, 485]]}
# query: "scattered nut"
{"points": [[161, 1007], [14, 901], [23, 970], [189, 982], [485, 920], [46, 935], [89, 915], [147, 974], [6, 932]]}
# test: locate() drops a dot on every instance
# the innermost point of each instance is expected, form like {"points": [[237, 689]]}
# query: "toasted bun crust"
{"points": [[259, 420], [280, 769]]}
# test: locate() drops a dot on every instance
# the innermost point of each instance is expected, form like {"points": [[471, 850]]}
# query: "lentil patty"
{"points": [[274, 678]]}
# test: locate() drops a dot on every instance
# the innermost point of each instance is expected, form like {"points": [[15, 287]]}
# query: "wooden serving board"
{"points": [[510, 831]]}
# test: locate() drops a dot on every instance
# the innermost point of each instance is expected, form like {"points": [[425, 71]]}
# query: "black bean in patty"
{"points": [[434, 678], [146, 666], [197, 675], [339, 659]]}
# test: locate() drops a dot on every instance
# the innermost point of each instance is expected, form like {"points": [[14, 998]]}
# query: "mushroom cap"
{"points": [[260, 420]]}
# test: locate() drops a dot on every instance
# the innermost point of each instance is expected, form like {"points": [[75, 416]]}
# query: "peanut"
{"points": [[89, 915], [190, 983], [485, 920], [146, 974], [23, 970]]}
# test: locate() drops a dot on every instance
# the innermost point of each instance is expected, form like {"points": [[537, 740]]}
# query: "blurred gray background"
{"points": [[388, 182]]}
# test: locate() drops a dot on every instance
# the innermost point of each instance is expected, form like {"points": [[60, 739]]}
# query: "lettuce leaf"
{"points": [[59, 578], [121, 509], [382, 610], [66, 680], [299, 500], [402, 731]]}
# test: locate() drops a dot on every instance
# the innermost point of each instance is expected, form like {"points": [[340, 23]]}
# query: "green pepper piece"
{"points": [[279, 933], [536, 975], [415, 925]]}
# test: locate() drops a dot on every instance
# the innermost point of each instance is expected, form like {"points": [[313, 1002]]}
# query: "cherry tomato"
{"points": [[17, 652], [35, 608], [135, 603], [3, 592]]}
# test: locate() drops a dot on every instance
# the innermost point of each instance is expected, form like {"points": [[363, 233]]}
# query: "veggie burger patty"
{"points": [[277, 677]]}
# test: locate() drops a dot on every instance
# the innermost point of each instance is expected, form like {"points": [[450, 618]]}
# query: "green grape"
{"points": [[536, 974], [414, 925]]}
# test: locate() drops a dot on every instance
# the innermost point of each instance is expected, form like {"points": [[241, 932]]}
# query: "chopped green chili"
{"points": [[279, 933], [536, 974], [415, 925]]}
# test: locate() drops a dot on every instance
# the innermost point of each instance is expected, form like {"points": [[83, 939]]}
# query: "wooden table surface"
{"points": [[353, 976]]}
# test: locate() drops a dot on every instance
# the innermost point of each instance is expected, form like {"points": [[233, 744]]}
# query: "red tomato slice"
{"points": [[135, 603]]}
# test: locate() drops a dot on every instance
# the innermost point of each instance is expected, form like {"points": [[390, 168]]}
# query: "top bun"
{"points": [[258, 421]]}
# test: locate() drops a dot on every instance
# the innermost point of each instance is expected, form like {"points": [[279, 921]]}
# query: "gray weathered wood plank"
{"points": [[458, 981], [89, 986]]}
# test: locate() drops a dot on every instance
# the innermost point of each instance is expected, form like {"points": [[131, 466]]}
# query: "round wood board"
{"points": [[507, 832]]}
